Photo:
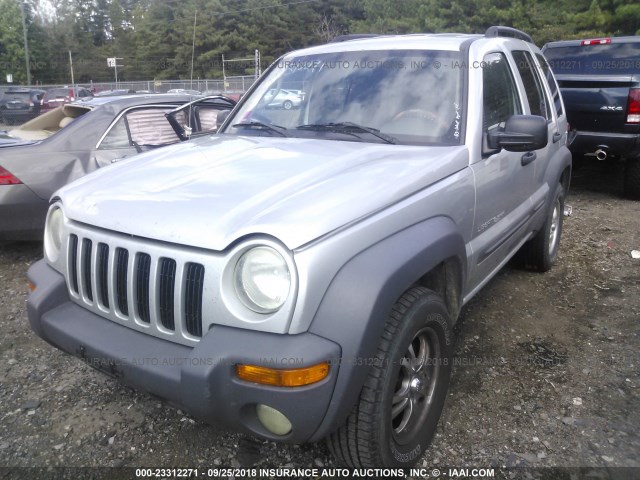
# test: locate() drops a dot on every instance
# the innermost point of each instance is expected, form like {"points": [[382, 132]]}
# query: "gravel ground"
{"points": [[547, 371]]}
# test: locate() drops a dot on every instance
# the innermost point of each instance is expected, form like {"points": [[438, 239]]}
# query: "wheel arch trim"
{"points": [[355, 307]]}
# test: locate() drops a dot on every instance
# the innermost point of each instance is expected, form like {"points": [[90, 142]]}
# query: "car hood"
{"points": [[211, 191]]}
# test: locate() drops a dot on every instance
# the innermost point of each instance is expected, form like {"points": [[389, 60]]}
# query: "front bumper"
{"points": [[22, 213], [200, 380]]}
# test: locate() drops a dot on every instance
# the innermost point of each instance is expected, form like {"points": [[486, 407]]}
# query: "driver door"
{"points": [[504, 181]]}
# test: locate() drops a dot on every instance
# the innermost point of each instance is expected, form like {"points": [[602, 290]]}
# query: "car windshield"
{"points": [[606, 59], [394, 96]]}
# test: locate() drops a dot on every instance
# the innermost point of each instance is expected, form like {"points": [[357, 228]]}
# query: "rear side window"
{"points": [[500, 96], [144, 127], [532, 84], [607, 59], [553, 85]]}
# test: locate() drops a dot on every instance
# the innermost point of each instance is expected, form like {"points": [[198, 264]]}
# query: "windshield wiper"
{"points": [[350, 128], [262, 126]]}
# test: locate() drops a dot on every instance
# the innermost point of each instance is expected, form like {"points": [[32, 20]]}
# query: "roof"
{"points": [[418, 41], [132, 100]]}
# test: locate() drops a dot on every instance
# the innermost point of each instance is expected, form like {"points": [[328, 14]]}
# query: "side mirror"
{"points": [[521, 133], [222, 116]]}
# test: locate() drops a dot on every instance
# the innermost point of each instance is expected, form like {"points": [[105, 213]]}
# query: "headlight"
{"points": [[53, 234], [262, 279]]}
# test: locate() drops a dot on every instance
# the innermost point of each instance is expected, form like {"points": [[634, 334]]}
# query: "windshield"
{"points": [[607, 59], [396, 96]]}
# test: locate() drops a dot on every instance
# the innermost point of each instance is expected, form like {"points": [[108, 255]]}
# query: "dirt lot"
{"points": [[547, 371]]}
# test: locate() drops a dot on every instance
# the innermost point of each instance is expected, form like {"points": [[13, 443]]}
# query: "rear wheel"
{"points": [[632, 178], [541, 251], [288, 105], [400, 404]]}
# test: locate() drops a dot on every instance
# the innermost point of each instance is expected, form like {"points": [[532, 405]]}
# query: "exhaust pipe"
{"points": [[601, 154]]}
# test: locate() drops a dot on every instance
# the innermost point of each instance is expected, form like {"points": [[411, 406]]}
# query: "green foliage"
{"points": [[12, 60], [155, 37]]}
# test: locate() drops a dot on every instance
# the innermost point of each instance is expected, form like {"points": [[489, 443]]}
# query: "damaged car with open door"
{"points": [[68, 142]]}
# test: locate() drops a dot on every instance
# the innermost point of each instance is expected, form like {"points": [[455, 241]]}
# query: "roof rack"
{"points": [[353, 36], [500, 31]]}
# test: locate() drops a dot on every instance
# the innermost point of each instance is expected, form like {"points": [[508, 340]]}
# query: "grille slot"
{"points": [[194, 285], [73, 262], [122, 265], [102, 274], [85, 260], [142, 286], [166, 289]]}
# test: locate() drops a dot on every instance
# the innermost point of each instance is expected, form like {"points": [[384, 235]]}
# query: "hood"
{"points": [[211, 191]]}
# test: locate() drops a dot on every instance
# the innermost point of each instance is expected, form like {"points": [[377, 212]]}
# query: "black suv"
{"points": [[600, 84], [17, 105]]}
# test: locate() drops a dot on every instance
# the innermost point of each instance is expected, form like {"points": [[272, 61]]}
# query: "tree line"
{"points": [[155, 38]]}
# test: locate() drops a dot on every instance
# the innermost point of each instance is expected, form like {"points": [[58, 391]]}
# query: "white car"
{"points": [[286, 99]]}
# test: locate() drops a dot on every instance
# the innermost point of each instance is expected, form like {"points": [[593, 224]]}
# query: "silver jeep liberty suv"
{"points": [[298, 275]]}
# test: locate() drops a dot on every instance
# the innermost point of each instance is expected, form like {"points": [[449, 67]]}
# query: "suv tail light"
{"points": [[8, 178], [633, 106]]}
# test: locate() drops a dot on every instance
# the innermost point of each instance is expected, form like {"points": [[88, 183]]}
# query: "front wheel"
{"points": [[288, 105], [400, 404]]}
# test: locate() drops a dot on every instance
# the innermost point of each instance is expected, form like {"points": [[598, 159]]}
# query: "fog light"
{"points": [[273, 420]]}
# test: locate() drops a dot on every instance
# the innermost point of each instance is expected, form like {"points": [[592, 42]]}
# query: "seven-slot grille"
{"points": [[129, 285]]}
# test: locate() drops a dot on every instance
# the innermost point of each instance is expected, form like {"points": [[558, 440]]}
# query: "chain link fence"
{"points": [[232, 85]]}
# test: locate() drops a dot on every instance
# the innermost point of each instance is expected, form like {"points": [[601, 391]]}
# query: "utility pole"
{"points": [[73, 83], [26, 43], [224, 77], [258, 69]]}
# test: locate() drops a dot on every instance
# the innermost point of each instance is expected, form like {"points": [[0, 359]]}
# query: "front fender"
{"points": [[355, 307]]}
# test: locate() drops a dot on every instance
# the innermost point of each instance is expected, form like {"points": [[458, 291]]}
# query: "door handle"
{"points": [[556, 137], [527, 158]]}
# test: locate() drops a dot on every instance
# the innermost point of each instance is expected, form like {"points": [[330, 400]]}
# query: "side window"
{"points": [[553, 85], [151, 127], [208, 118], [118, 137], [144, 126], [500, 96], [538, 103]]}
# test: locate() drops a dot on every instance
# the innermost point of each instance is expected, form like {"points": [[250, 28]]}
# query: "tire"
{"points": [[632, 178], [287, 105], [541, 251], [400, 404]]}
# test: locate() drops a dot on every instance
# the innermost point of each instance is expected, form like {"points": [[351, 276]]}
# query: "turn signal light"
{"points": [[296, 377], [8, 178]]}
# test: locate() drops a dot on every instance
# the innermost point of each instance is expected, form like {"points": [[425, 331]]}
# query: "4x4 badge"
{"points": [[611, 108]]}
